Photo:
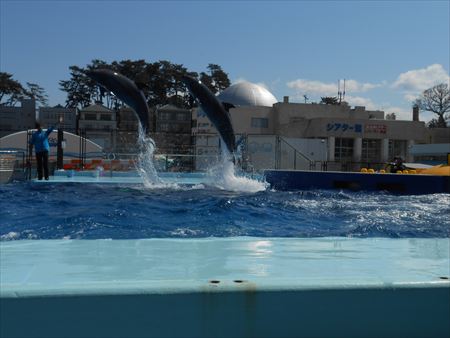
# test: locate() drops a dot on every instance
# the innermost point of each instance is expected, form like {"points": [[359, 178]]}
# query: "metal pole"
{"points": [[295, 159], [59, 150], [29, 154], [79, 144]]}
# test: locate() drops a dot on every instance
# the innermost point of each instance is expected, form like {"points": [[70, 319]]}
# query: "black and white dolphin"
{"points": [[125, 89], [216, 111]]}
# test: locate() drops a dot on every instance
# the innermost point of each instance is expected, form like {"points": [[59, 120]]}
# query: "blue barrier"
{"points": [[395, 183]]}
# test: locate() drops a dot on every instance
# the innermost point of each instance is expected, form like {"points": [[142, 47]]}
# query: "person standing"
{"points": [[39, 140], [397, 165]]}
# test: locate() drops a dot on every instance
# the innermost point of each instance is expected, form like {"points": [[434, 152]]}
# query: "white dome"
{"points": [[247, 94]]}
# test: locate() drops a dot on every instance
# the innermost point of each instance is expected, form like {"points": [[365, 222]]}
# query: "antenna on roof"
{"points": [[339, 91], [343, 95]]}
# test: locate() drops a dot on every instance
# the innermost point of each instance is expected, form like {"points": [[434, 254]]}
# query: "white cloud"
{"points": [[330, 89], [417, 80], [355, 86], [400, 113], [411, 97], [403, 113], [313, 87], [361, 101]]}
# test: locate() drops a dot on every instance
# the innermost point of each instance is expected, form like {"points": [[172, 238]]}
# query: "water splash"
{"points": [[223, 176], [145, 166]]}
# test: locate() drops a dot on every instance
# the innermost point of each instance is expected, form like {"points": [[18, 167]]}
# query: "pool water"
{"points": [[30, 210]]}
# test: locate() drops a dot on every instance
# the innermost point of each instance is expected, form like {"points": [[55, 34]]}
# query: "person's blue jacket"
{"points": [[40, 140]]}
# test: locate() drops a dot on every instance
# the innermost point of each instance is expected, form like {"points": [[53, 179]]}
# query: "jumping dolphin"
{"points": [[125, 89], [216, 111]]}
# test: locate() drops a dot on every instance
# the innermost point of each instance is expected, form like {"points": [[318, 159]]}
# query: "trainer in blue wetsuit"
{"points": [[39, 140]]}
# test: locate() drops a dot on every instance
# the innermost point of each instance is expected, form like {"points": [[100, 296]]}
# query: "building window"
{"points": [[183, 128], [397, 148], [258, 122], [182, 117], [371, 150], [164, 127], [105, 117], [165, 116], [90, 116], [343, 149]]}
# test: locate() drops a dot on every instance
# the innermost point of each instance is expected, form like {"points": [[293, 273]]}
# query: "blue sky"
{"points": [[389, 51]]}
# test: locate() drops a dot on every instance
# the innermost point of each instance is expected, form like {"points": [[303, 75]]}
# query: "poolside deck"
{"points": [[118, 177], [254, 287]]}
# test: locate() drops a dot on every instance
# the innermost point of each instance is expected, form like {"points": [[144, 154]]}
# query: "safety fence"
{"points": [[12, 164], [254, 154]]}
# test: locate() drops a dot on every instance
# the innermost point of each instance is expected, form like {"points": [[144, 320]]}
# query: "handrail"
{"points": [[296, 151], [117, 156], [15, 152], [348, 166], [9, 164]]}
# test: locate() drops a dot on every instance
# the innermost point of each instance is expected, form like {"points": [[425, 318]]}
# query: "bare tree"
{"points": [[437, 101]]}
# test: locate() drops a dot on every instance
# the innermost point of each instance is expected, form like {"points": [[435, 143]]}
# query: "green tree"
{"points": [[160, 82], [11, 91], [217, 80], [80, 88], [329, 100], [34, 91], [436, 100]]}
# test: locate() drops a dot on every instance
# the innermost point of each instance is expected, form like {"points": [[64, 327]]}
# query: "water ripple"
{"points": [[90, 211]]}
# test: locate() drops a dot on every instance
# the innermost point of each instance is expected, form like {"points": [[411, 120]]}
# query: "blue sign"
{"points": [[343, 127]]}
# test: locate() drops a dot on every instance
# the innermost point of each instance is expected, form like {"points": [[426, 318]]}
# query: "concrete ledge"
{"points": [[385, 312], [252, 287]]}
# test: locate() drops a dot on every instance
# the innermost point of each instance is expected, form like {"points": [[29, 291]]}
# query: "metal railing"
{"points": [[275, 152], [347, 166], [299, 160], [13, 165]]}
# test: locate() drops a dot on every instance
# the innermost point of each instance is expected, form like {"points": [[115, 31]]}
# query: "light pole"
{"points": [[59, 149]]}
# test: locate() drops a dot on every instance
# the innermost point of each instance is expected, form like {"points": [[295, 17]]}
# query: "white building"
{"points": [[347, 134]]}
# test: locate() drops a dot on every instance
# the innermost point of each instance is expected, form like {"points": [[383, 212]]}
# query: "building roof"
{"points": [[97, 108], [247, 94], [171, 107]]}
